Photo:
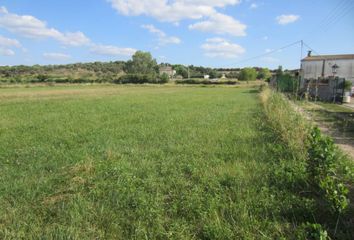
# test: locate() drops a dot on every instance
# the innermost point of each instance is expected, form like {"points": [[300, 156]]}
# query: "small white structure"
{"points": [[321, 66], [206, 76]]}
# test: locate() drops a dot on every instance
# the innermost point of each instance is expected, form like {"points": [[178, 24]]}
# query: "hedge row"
{"points": [[128, 78], [206, 82]]}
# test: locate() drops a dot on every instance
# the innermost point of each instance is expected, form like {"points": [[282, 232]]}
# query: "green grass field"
{"points": [[112, 162]]}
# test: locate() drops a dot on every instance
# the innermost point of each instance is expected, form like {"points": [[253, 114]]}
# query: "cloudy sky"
{"points": [[217, 33]]}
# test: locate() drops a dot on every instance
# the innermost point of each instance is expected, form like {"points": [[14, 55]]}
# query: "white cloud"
{"points": [[163, 39], [215, 40], [286, 19], [265, 38], [254, 6], [267, 50], [177, 10], [109, 50], [3, 10], [170, 11], [218, 47], [31, 27], [8, 42], [220, 24], [74, 39], [6, 52], [56, 56]]}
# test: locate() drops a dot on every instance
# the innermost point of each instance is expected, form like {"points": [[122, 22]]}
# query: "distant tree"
{"points": [[42, 77], [280, 71], [264, 73], [233, 74], [214, 74], [142, 63], [164, 78], [181, 70], [248, 74]]}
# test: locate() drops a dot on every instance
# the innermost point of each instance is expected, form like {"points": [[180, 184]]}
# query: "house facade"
{"points": [[320, 66], [323, 76], [168, 70]]}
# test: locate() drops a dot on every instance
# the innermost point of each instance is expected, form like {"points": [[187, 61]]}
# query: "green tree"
{"points": [[142, 63], [248, 74], [181, 70], [280, 71], [264, 74], [214, 74], [233, 74], [164, 78]]}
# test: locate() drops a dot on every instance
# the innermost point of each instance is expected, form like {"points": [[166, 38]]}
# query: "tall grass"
{"points": [[285, 121], [314, 166]]}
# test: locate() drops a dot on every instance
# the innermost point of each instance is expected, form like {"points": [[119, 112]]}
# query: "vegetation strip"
{"points": [[325, 171]]}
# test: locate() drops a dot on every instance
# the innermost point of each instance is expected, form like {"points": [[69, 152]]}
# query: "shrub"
{"points": [[322, 167], [206, 82], [287, 83], [42, 78], [164, 78], [311, 231], [264, 73], [139, 79], [248, 74], [347, 85]]}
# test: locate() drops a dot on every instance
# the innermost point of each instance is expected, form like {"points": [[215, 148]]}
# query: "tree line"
{"points": [[141, 68]]}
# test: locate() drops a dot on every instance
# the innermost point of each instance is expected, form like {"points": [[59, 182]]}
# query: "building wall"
{"points": [[314, 69], [326, 92]]}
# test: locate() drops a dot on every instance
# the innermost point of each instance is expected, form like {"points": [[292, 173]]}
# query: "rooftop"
{"points": [[328, 57]]}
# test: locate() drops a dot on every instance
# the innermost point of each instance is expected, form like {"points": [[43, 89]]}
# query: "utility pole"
{"points": [[300, 71], [334, 72]]}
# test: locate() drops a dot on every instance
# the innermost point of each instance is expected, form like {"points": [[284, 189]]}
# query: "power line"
{"points": [[333, 14], [268, 53], [338, 12], [311, 48], [339, 17]]}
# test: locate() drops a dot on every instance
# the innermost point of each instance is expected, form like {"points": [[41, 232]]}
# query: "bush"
{"points": [[248, 74], [233, 74], [310, 231], [206, 82], [287, 83], [322, 167], [264, 73], [164, 78], [139, 79], [348, 85]]}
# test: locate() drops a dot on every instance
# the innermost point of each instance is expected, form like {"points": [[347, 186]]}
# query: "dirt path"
{"points": [[338, 125]]}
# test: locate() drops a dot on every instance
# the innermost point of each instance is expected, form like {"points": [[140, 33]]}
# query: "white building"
{"points": [[320, 66]]}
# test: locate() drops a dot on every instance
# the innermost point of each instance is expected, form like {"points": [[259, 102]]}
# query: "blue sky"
{"points": [[215, 33]]}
